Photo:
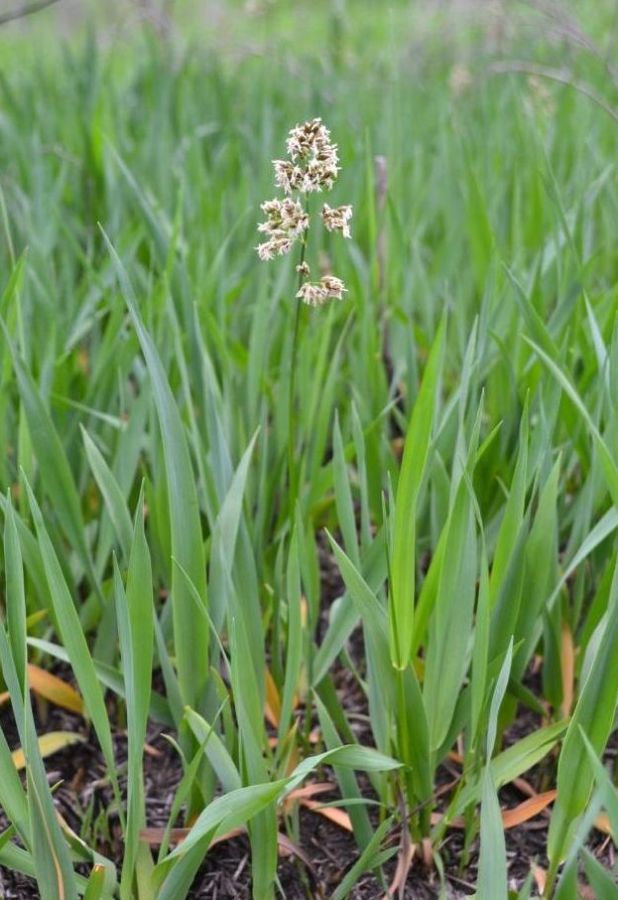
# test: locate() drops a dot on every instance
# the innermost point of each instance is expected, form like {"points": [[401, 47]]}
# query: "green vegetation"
{"points": [[456, 434]]}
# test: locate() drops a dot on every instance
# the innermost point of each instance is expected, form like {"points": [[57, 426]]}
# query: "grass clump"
{"points": [[187, 451]]}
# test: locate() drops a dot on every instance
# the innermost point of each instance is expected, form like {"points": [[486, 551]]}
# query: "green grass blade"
{"points": [[114, 499], [56, 475], [416, 451], [135, 613], [594, 713], [451, 626], [190, 632], [70, 630]]}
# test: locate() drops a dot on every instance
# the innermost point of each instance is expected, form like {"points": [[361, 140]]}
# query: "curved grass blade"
{"points": [[415, 455], [190, 632], [70, 630], [594, 714]]}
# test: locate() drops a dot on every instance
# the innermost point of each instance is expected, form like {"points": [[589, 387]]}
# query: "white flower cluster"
{"points": [[313, 165], [316, 293], [286, 220], [337, 219]]}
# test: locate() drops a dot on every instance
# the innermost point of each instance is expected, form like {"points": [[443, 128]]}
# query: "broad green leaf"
{"points": [[447, 648], [416, 452], [492, 873]]}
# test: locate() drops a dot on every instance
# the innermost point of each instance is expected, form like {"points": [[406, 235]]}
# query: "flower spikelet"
{"points": [[314, 162], [316, 293], [337, 219], [286, 220]]}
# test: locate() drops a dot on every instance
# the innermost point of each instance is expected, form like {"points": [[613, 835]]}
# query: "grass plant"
{"points": [[181, 450]]}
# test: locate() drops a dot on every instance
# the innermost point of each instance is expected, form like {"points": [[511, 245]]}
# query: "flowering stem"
{"points": [[292, 474]]}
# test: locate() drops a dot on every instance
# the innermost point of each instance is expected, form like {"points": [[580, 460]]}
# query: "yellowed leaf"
{"points": [[54, 689], [567, 666], [272, 706], [34, 619], [602, 823], [49, 744]]}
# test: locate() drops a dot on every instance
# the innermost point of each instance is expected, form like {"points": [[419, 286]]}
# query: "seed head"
{"points": [[316, 293], [276, 246], [334, 287], [313, 163], [337, 219], [309, 141], [286, 220], [286, 216]]}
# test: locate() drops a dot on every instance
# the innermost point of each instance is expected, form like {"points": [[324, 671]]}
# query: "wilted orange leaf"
{"points": [[54, 689], [528, 809], [310, 790], [338, 816], [154, 837]]}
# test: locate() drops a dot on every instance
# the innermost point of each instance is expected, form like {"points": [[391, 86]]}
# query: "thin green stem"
{"points": [[292, 418]]}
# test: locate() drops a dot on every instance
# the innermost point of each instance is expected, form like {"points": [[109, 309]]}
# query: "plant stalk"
{"points": [[292, 418]]}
